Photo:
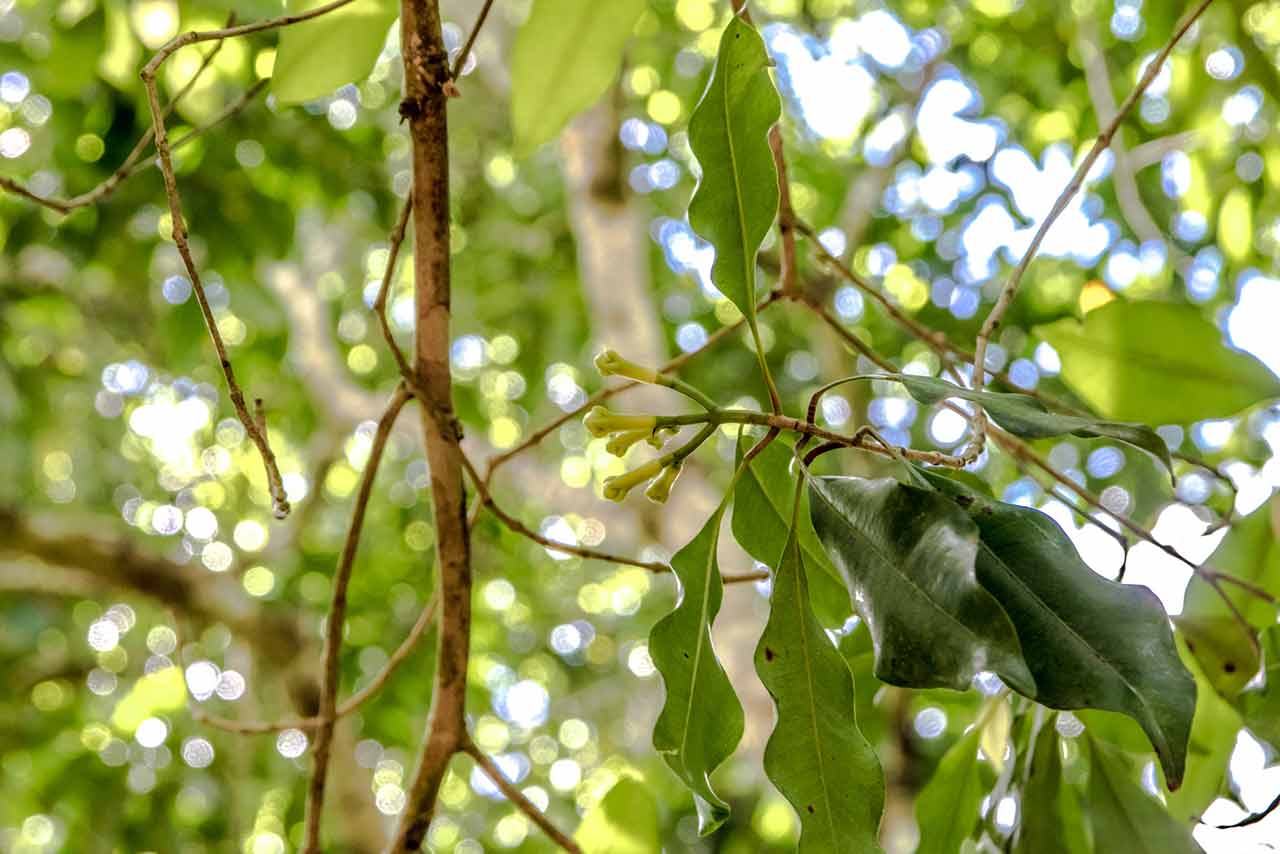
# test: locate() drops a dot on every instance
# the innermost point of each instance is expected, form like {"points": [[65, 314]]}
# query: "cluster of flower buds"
{"points": [[624, 431]]}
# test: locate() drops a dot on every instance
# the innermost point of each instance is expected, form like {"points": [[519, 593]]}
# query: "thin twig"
{"points": [[461, 59], [380, 304], [336, 621], [426, 617], [786, 216], [1010, 289], [517, 798]]}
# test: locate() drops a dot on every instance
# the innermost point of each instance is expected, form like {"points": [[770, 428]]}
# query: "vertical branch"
{"points": [[426, 71], [786, 216], [336, 621]]}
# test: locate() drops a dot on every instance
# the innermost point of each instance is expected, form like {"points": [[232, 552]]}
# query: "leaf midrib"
{"points": [[704, 630], [748, 268]]}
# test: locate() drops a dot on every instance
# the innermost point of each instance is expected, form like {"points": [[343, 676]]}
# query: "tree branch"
{"points": [[518, 799]]}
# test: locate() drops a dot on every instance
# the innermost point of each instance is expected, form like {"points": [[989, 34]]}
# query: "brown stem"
{"points": [[786, 216], [517, 798], [336, 621], [426, 72], [384, 289], [471, 40]]}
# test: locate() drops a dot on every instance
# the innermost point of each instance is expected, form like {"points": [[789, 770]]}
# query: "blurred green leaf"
{"points": [[947, 807], [1261, 706], [737, 195], [1121, 810], [762, 502], [1213, 738], [340, 47], [701, 719], [1155, 362], [1089, 642], [565, 56], [908, 556], [1040, 825], [1024, 416], [816, 755], [624, 822]]}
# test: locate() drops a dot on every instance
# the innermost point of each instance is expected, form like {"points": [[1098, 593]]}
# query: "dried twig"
{"points": [[461, 59], [380, 303], [336, 621], [517, 798]]}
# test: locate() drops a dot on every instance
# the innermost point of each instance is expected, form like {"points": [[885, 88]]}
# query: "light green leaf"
{"points": [[1261, 706], [737, 195], [762, 503], [908, 556], [565, 56], [1161, 363], [624, 822], [340, 47], [1040, 826], [1024, 416], [1123, 812], [1213, 738], [947, 808], [1090, 642], [701, 719], [816, 756]]}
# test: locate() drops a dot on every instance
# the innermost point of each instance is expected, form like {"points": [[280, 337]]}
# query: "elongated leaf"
{"points": [[1213, 738], [1024, 416], [908, 556], [737, 194], [816, 756], [1041, 827], [1090, 642], [624, 822], [1124, 813], [947, 808], [762, 503], [1161, 363], [701, 719], [318, 56], [565, 56]]}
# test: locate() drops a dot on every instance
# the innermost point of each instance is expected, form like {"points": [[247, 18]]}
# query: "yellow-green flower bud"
{"points": [[610, 364], [600, 422], [616, 488], [658, 438], [622, 442], [660, 489]]}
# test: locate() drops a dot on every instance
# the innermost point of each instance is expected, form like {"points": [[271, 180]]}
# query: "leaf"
{"points": [[908, 556], [816, 756], [995, 731], [1226, 651], [565, 56], [762, 502], [736, 198], [701, 719], [1026, 417], [1261, 706], [624, 822], [337, 48], [1041, 827], [948, 807], [1089, 642], [1213, 738], [1122, 810], [1161, 363]]}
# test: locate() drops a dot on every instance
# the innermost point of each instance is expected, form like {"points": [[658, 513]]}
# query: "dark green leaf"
{"points": [[737, 195], [947, 808], [908, 555], [565, 56], [1041, 826], [318, 56], [624, 822], [1124, 813], [1090, 642], [1162, 363], [762, 502], [1024, 416], [816, 756], [701, 719]]}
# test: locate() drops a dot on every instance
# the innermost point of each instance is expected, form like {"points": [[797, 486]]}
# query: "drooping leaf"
{"points": [[1213, 738], [1123, 812], [1161, 363], [701, 719], [816, 756], [1041, 826], [908, 554], [762, 502], [947, 808], [318, 56], [737, 194], [1024, 416], [565, 56], [624, 822], [1090, 642]]}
